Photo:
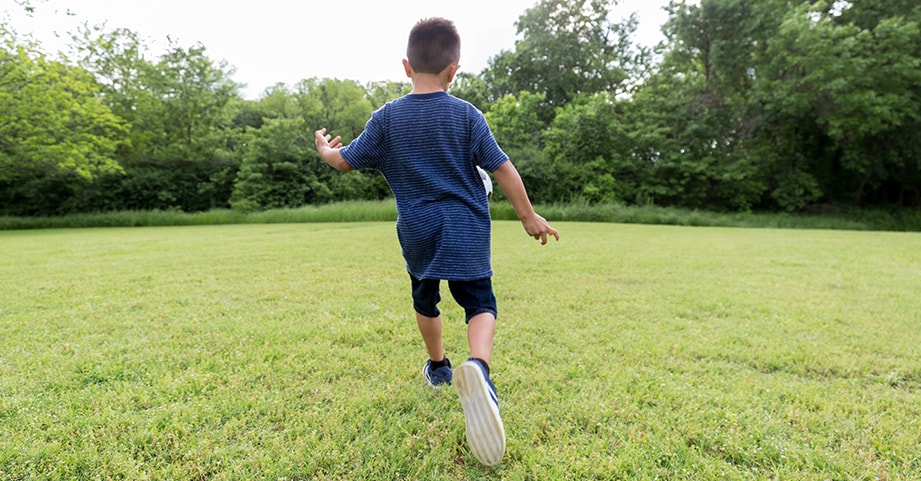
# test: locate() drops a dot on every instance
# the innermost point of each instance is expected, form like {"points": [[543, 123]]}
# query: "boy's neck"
{"points": [[429, 84]]}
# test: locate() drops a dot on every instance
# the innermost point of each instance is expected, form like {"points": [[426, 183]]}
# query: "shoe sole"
{"points": [[485, 432]]}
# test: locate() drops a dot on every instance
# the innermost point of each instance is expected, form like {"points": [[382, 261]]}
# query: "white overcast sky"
{"points": [[272, 41]]}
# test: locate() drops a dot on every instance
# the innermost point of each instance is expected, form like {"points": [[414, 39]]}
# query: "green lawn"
{"points": [[623, 352]]}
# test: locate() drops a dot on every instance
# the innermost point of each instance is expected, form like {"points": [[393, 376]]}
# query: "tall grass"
{"points": [[341, 212], [289, 351], [841, 218]]}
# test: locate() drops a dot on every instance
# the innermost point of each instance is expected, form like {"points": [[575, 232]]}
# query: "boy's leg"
{"points": [[481, 331], [485, 431], [437, 370], [479, 303], [425, 302], [430, 328]]}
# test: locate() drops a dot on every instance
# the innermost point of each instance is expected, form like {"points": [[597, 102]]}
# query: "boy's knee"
{"points": [[477, 313]]}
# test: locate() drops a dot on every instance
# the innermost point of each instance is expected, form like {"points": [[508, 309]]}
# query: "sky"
{"points": [[285, 41]]}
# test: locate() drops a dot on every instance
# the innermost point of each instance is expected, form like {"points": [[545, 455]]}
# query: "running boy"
{"points": [[428, 145]]}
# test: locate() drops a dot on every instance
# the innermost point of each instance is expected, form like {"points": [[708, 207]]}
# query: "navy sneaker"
{"points": [[485, 432], [437, 377]]}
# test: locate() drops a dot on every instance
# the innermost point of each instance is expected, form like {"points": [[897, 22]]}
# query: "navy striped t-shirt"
{"points": [[427, 146]]}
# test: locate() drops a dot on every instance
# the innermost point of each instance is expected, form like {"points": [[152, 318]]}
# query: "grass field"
{"points": [[289, 351]]}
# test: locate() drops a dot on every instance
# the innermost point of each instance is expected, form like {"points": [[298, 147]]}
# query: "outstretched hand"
{"points": [[538, 228], [325, 141], [328, 147]]}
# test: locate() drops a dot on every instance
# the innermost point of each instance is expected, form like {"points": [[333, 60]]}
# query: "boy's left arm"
{"points": [[328, 148], [512, 186]]}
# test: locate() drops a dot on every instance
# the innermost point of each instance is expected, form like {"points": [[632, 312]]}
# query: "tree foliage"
{"points": [[516, 122], [52, 119], [279, 165], [804, 102], [53, 127], [771, 105], [856, 88], [567, 48]]}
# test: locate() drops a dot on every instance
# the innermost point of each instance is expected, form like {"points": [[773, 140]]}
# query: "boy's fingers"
{"points": [[543, 237]]}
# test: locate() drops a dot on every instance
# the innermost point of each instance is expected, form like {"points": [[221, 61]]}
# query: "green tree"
{"points": [[342, 106], [515, 120], [180, 107], [688, 123], [118, 61], [379, 93], [193, 92], [473, 89], [587, 147], [867, 14], [279, 163], [806, 101], [567, 48], [52, 118], [275, 172], [847, 96], [516, 123], [52, 126]]}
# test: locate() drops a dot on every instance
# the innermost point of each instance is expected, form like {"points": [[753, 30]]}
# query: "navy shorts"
{"points": [[476, 297]]}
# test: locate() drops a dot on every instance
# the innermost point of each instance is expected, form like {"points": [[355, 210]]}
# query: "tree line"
{"points": [[776, 105]]}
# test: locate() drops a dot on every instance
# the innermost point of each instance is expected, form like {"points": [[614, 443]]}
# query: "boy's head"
{"points": [[434, 44]]}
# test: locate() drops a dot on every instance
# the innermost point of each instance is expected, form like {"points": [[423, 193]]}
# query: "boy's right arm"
{"points": [[512, 186], [329, 150]]}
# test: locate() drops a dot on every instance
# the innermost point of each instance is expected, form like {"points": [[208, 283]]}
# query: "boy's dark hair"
{"points": [[433, 45]]}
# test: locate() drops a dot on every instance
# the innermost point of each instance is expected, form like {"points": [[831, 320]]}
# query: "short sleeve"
{"points": [[486, 151], [369, 149]]}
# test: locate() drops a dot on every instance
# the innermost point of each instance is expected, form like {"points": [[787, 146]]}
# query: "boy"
{"points": [[428, 145]]}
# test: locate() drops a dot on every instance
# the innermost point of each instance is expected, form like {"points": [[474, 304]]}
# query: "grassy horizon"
{"points": [[289, 351], [834, 217]]}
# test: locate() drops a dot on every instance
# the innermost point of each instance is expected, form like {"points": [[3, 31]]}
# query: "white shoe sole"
{"points": [[485, 432]]}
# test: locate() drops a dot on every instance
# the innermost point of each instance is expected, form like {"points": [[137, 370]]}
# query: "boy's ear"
{"points": [[408, 68], [452, 71]]}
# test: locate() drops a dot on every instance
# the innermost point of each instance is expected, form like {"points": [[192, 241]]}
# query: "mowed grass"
{"points": [[623, 352]]}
